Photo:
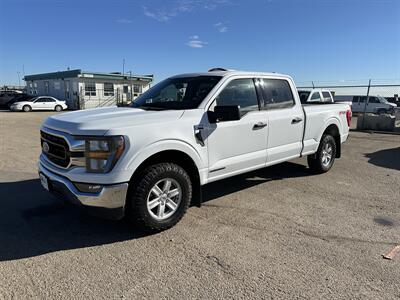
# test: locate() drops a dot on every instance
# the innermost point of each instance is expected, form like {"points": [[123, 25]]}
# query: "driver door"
{"points": [[237, 146]]}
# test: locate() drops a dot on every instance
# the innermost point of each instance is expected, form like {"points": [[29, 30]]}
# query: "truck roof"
{"points": [[228, 72]]}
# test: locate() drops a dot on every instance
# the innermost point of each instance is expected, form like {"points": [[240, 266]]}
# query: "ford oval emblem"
{"points": [[45, 147]]}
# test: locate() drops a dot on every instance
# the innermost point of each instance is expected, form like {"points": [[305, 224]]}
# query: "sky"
{"points": [[320, 40]]}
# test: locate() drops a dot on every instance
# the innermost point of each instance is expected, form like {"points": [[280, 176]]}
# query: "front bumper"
{"points": [[109, 202]]}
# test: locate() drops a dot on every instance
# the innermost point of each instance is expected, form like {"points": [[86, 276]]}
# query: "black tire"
{"points": [[317, 162], [381, 111], [138, 209], [27, 108], [58, 108]]}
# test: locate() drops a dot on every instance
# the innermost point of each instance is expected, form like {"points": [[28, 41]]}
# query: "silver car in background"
{"points": [[39, 103]]}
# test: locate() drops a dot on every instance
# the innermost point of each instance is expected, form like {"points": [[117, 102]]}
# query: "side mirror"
{"points": [[224, 113]]}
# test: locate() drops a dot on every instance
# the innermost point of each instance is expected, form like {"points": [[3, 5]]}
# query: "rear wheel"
{"points": [[322, 161], [161, 197], [58, 108], [27, 108]]}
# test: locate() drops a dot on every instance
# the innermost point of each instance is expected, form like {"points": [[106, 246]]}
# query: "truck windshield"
{"points": [[382, 99], [177, 93]]}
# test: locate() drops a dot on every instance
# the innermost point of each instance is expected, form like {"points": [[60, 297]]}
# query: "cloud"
{"points": [[221, 27], [159, 15], [195, 42], [176, 7], [123, 21]]}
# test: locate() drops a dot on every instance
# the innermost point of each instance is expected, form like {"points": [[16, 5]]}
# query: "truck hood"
{"points": [[99, 120]]}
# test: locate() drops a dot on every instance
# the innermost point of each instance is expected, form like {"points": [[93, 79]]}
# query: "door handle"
{"points": [[297, 120], [259, 125]]}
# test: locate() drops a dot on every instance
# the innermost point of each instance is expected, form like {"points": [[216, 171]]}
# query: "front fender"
{"points": [[165, 145]]}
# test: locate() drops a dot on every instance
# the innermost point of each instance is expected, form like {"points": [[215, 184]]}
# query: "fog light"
{"points": [[88, 187]]}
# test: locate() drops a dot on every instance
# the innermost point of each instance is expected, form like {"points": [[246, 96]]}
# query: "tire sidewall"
{"points": [[381, 111], [26, 108], [146, 184], [58, 108], [325, 140]]}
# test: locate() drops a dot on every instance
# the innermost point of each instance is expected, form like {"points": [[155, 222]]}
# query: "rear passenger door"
{"points": [[50, 103], [285, 120]]}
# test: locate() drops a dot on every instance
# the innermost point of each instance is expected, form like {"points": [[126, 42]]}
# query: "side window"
{"points": [[373, 100], [362, 99], [240, 92], [277, 93], [315, 97], [327, 97], [50, 100]]}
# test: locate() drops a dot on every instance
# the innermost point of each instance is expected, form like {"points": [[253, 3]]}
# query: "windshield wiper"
{"points": [[149, 107]]}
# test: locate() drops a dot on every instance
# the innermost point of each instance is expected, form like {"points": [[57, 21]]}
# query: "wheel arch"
{"points": [[333, 130], [178, 157]]}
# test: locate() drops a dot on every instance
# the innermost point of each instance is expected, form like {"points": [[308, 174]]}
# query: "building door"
{"points": [[125, 93], [67, 90]]}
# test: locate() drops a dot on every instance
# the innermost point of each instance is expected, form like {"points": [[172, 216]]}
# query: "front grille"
{"points": [[58, 149]]}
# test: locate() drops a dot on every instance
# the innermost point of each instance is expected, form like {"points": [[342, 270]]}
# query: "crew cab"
{"points": [[149, 161]]}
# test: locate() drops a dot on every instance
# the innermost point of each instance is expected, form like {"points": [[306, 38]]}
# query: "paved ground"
{"points": [[274, 233]]}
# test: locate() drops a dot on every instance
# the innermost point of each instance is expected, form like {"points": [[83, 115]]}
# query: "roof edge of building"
{"points": [[86, 74]]}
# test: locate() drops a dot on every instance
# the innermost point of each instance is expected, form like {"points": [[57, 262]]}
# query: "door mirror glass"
{"points": [[224, 113]]}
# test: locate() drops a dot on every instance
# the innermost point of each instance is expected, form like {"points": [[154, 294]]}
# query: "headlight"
{"points": [[103, 153]]}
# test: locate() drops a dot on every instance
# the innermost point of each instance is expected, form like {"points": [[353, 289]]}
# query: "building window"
{"points": [[108, 89], [57, 85], [137, 89], [90, 89]]}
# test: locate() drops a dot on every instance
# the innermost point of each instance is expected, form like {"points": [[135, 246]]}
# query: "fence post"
{"points": [[365, 105]]}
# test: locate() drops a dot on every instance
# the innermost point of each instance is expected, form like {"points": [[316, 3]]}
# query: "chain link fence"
{"points": [[375, 102]]}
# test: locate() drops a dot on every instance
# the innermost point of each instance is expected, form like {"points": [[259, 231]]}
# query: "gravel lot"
{"points": [[275, 233]]}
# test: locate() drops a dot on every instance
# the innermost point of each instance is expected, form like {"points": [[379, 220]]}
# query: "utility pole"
{"points": [[19, 79], [366, 103], [123, 66]]}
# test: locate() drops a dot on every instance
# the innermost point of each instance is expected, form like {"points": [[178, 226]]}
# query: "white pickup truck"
{"points": [[149, 161]]}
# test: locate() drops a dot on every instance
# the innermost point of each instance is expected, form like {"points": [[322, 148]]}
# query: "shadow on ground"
{"points": [[33, 222], [388, 158]]}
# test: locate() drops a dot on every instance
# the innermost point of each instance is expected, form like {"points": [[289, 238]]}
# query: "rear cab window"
{"points": [[327, 97]]}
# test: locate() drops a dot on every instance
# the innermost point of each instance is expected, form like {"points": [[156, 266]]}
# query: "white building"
{"points": [[82, 89]]}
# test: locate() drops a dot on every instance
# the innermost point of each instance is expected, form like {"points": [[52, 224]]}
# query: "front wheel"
{"points": [[161, 197], [381, 111], [27, 108], [322, 161]]}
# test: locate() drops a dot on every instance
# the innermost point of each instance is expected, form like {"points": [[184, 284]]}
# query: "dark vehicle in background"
{"points": [[18, 98], [6, 96]]}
